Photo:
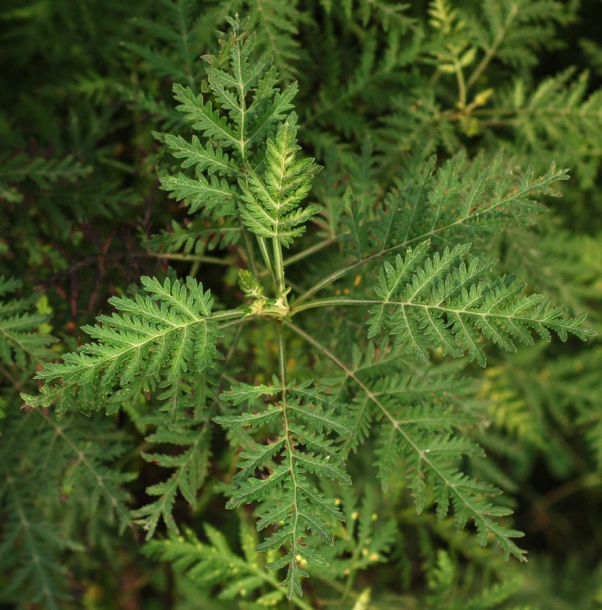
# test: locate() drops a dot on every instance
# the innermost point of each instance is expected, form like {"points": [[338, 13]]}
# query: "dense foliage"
{"points": [[299, 304]]}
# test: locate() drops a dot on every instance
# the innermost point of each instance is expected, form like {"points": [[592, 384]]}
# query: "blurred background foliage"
{"points": [[83, 86]]}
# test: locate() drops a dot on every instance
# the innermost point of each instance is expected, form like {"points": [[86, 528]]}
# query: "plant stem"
{"points": [[461, 84], [279, 268], [236, 321], [334, 301], [291, 260], [263, 248], [228, 314], [213, 260], [494, 47], [249, 248], [290, 453]]}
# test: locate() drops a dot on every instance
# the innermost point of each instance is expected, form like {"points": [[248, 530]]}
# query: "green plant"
{"points": [[338, 333]]}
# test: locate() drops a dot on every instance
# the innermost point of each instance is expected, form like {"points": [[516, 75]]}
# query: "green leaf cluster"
{"points": [[299, 329]]}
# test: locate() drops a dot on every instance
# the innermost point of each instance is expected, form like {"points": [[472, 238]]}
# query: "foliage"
{"points": [[317, 331]]}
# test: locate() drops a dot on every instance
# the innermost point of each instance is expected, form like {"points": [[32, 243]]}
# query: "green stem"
{"points": [[249, 249], [461, 84], [290, 453], [194, 268], [228, 314], [213, 260], [329, 279], [263, 248], [494, 47], [279, 268], [236, 321], [334, 301], [291, 260], [350, 579]]}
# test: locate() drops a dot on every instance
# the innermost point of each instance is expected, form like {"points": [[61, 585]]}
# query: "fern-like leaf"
{"points": [[443, 302], [21, 342], [192, 438], [180, 33], [216, 564], [242, 108], [422, 438], [195, 237], [162, 341], [37, 570], [272, 200], [462, 200], [54, 472], [39, 170], [561, 113], [301, 420]]}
